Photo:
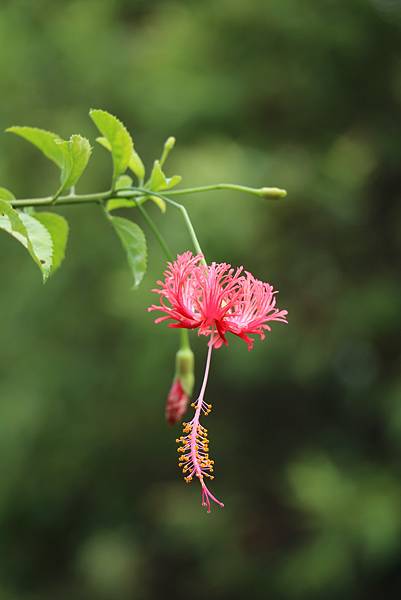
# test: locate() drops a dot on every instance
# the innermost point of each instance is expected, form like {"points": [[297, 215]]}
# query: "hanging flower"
{"points": [[215, 299]]}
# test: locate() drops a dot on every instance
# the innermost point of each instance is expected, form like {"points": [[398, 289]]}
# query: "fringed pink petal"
{"points": [[216, 298]]}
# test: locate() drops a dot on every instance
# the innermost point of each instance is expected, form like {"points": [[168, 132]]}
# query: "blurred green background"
{"points": [[306, 429]]}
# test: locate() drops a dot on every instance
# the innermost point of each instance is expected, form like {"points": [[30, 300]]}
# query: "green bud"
{"points": [[184, 369], [273, 193], [168, 146]]}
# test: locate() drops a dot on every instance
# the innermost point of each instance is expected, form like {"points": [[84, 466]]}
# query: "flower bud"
{"points": [[273, 193], [168, 146], [177, 403], [170, 143], [181, 389]]}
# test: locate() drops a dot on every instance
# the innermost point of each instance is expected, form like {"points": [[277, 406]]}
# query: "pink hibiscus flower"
{"points": [[216, 299]]}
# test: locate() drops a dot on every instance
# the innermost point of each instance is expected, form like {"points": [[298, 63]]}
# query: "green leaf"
{"points": [[137, 167], [6, 194], [75, 156], [120, 141], [116, 203], [134, 243], [10, 220], [58, 228], [46, 141], [159, 202], [40, 242], [172, 181], [104, 142], [158, 181], [70, 156], [30, 233], [135, 164], [124, 181], [157, 178]]}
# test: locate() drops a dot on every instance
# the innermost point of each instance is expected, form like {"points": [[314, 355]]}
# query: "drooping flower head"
{"points": [[216, 299]]}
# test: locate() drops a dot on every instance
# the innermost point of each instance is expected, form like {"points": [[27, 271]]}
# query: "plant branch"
{"points": [[188, 223], [187, 220], [156, 232], [71, 199], [64, 200]]}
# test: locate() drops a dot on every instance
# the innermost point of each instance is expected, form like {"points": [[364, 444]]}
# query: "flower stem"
{"points": [[264, 192], [184, 336], [185, 345], [186, 216], [156, 232], [189, 225]]}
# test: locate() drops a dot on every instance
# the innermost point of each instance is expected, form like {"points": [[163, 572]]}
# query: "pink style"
{"points": [[216, 299]]}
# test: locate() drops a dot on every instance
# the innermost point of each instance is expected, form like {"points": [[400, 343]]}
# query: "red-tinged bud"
{"points": [[181, 389], [177, 403]]}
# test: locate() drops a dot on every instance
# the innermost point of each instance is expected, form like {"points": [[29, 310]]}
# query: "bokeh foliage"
{"points": [[306, 431]]}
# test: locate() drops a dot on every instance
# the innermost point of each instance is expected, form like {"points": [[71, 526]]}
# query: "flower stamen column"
{"points": [[194, 449]]}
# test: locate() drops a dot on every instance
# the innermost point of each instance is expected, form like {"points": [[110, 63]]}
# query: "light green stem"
{"points": [[186, 216], [265, 192], [156, 232], [63, 200], [188, 223], [184, 345]]}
